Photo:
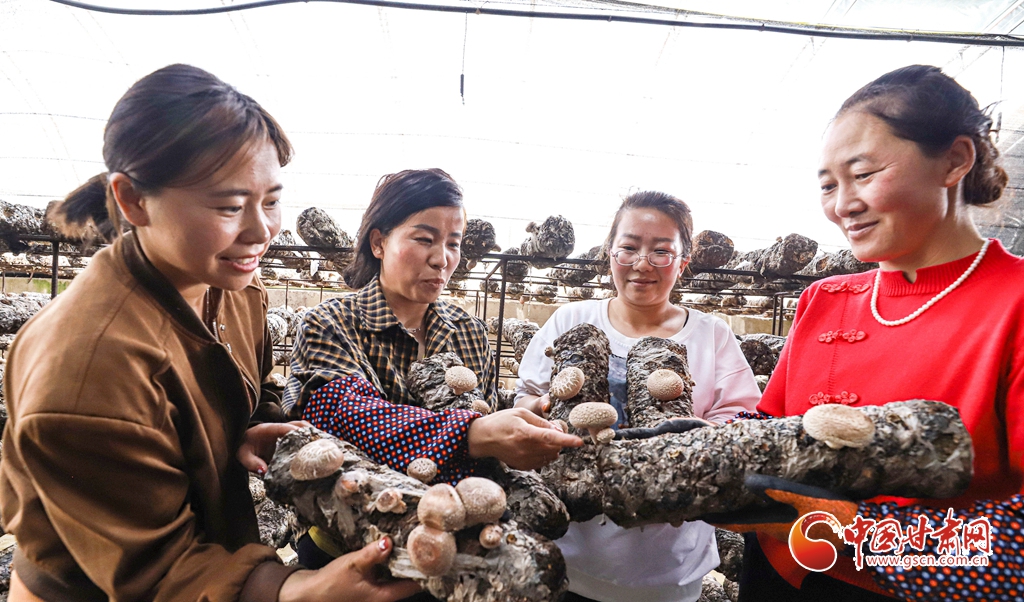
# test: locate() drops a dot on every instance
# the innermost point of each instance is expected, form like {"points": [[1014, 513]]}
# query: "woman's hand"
{"points": [[538, 405], [261, 440], [518, 438], [348, 578]]}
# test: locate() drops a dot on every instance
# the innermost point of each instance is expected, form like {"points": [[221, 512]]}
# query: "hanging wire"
{"points": [[462, 76], [785, 27]]}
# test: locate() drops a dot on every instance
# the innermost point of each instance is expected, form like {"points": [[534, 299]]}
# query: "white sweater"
{"points": [[656, 563]]}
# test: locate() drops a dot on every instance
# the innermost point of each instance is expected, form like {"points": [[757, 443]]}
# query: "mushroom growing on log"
{"points": [[651, 355], [531, 503], [319, 230], [918, 449], [549, 241], [523, 568]]}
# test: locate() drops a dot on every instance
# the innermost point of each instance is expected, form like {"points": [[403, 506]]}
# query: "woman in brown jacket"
{"points": [[135, 397]]}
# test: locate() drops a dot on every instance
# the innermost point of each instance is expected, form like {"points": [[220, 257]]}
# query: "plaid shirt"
{"points": [[358, 334]]}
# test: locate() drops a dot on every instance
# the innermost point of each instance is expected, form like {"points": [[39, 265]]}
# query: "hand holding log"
{"points": [[345, 504]]}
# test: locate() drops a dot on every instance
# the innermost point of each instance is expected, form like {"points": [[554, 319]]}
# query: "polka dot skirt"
{"points": [[1002, 579], [393, 434]]}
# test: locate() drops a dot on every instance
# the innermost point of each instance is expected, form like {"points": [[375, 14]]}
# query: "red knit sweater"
{"points": [[967, 350]]}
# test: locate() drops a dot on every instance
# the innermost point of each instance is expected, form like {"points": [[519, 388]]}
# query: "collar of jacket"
{"points": [[378, 317], [163, 291]]}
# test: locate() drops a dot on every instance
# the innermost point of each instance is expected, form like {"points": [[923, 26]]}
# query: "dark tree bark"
{"points": [[516, 332], [293, 260], [524, 568], [585, 347], [784, 258], [920, 449], [836, 263], [551, 240], [759, 356], [319, 230], [648, 355], [572, 275], [479, 239], [426, 384], [730, 553], [531, 503], [515, 271], [710, 250], [18, 308]]}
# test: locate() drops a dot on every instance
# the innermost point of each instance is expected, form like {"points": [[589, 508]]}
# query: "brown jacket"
{"points": [[119, 476]]}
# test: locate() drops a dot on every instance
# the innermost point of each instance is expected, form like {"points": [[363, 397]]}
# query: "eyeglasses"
{"points": [[657, 259]]}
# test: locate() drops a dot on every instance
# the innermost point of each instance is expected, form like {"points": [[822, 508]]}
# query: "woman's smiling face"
{"points": [[646, 231], [883, 192], [215, 232]]}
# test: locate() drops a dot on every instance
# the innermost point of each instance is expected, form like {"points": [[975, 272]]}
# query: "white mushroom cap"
{"points": [[350, 483], [460, 379], [483, 499], [490, 536], [390, 500], [664, 384], [481, 407], [839, 426], [422, 469], [431, 551], [441, 508], [594, 416], [316, 460], [604, 436], [567, 383]]}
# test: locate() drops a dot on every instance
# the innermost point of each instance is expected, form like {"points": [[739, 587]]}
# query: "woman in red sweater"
{"points": [[942, 319]]}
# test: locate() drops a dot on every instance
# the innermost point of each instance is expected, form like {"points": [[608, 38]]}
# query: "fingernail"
{"points": [[261, 471], [383, 544]]}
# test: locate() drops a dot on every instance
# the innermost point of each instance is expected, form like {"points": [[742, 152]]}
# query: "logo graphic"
{"points": [[813, 554], [954, 542]]}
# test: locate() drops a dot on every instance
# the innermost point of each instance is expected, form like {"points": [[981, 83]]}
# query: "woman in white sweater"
{"points": [[649, 246]]}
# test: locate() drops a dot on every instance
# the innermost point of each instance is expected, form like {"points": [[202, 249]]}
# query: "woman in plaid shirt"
{"points": [[352, 353]]}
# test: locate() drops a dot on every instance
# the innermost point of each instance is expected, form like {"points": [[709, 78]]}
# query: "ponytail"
{"points": [[87, 213]]}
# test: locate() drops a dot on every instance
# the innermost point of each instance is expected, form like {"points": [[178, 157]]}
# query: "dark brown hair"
{"points": [[921, 104], [174, 127], [660, 201], [396, 197]]}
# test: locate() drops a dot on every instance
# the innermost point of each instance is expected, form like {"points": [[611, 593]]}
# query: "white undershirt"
{"points": [[656, 563]]}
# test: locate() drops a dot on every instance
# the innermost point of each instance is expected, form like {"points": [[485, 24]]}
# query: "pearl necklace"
{"points": [[932, 301]]}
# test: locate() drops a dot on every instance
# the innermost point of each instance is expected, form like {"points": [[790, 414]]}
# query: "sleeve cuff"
{"points": [[265, 581]]}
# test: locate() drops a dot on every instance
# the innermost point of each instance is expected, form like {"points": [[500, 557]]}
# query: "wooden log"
{"points": [[571, 275], [319, 230], [919, 449], [712, 591], [427, 386], [710, 250], [293, 260], [836, 263], [545, 293], [515, 271], [18, 308], [479, 239], [516, 332], [784, 258], [730, 553], [531, 503], [585, 347], [525, 567], [646, 356], [549, 241], [759, 356]]}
